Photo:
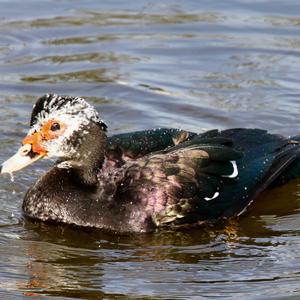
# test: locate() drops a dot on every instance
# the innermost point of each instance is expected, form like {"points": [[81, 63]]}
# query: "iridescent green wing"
{"points": [[212, 176], [177, 184]]}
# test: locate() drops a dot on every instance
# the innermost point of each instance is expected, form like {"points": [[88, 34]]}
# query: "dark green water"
{"points": [[190, 64]]}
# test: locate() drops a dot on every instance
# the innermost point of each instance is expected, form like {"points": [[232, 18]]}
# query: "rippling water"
{"points": [[143, 64]]}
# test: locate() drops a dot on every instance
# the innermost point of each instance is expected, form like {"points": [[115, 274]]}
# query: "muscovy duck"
{"points": [[137, 182]]}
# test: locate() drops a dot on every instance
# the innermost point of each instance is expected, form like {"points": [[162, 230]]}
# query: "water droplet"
{"points": [[12, 178]]}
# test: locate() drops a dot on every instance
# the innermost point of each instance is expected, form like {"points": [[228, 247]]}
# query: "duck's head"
{"points": [[64, 127]]}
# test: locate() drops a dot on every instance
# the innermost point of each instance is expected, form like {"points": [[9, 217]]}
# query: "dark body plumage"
{"points": [[164, 177]]}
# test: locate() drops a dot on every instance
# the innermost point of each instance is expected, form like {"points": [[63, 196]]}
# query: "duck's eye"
{"points": [[55, 127]]}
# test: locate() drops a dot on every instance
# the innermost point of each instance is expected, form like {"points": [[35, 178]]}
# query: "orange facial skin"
{"points": [[45, 134]]}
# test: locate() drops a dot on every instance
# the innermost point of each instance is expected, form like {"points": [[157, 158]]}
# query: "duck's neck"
{"points": [[87, 176], [90, 158]]}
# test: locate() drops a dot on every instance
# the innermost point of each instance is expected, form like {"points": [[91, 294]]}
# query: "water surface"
{"points": [[189, 64]]}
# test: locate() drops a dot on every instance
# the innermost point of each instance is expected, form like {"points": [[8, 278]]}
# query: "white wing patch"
{"points": [[235, 172], [216, 194]]}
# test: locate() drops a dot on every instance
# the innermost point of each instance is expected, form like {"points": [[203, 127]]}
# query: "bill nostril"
{"points": [[25, 149]]}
